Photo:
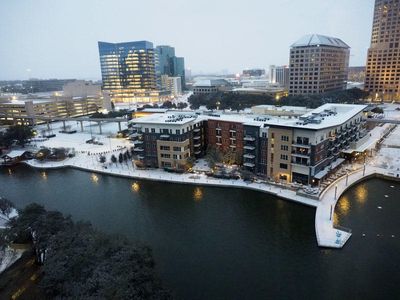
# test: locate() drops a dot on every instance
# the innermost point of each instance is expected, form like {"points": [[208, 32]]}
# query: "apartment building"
{"points": [[285, 148], [168, 140]]}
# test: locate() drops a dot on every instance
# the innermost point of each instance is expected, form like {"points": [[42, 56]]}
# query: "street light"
{"points": [[335, 191]]}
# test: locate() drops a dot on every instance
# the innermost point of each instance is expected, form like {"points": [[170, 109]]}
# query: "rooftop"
{"points": [[317, 40]]}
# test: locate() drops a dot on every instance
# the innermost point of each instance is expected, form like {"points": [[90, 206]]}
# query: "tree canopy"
{"points": [[18, 133], [83, 263], [235, 101]]}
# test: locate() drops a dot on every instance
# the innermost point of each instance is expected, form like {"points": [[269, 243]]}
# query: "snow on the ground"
{"points": [[78, 140], [8, 256]]}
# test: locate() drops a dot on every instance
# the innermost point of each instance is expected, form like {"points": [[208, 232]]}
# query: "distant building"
{"points": [[280, 111], [172, 84], [279, 75], [253, 72], [81, 88], [209, 86], [45, 85], [168, 64], [356, 74], [128, 71], [318, 64], [29, 111], [383, 62]]}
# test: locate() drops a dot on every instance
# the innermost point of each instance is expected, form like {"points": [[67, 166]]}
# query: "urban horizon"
{"points": [[81, 57]]}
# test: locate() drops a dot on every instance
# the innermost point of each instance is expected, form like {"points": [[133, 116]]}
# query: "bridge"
{"points": [[48, 120]]}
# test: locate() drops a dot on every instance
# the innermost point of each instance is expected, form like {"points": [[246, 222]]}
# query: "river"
{"points": [[226, 243]]}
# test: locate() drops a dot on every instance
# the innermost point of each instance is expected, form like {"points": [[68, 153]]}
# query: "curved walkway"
{"points": [[328, 235]]}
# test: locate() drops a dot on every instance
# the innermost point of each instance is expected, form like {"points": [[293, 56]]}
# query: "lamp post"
{"points": [[335, 191]]}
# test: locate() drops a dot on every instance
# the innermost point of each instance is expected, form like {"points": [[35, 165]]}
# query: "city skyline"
{"points": [[59, 40]]}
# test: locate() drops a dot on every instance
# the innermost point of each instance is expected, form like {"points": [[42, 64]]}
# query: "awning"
{"points": [[329, 168]]}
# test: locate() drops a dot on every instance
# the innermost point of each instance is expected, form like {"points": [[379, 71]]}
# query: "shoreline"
{"points": [[328, 235]]}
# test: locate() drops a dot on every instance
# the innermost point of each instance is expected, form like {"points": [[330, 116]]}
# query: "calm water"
{"points": [[214, 243]]}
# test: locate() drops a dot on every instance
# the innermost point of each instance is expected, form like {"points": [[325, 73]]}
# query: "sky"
{"points": [[58, 38]]}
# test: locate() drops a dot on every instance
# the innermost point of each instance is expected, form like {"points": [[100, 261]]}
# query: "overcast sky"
{"points": [[58, 38]]}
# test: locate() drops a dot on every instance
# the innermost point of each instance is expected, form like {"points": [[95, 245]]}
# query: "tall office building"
{"points": [[382, 78], [128, 71], [279, 75], [318, 64], [169, 64]]}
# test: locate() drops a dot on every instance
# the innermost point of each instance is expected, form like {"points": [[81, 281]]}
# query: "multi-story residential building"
{"points": [[279, 75], [383, 63], [128, 71], [169, 64], [168, 140], [318, 64], [282, 148]]}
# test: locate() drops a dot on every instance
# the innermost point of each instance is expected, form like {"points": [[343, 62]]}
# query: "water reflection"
{"points": [[344, 205], [10, 172], [94, 178], [44, 175], [361, 193], [198, 194], [135, 187]]}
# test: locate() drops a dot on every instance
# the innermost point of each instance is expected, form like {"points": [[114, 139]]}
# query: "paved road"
{"points": [[19, 281]]}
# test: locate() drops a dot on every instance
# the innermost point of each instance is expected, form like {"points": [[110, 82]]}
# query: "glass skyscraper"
{"points": [[128, 71], [168, 64]]}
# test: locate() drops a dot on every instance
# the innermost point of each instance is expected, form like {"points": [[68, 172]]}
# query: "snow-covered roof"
{"points": [[318, 39], [14, 154]]}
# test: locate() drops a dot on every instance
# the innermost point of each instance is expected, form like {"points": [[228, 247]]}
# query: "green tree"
{"points": [[18, 133]]}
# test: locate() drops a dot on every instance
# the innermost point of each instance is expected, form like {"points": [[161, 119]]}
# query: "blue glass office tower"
{"points": [[168, 64], [128, 71]]}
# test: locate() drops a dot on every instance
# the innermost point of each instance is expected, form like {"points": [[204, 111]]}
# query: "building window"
{"points": [[284, 138], [284, 157], [284, 147], [177, 149], [178, 131], [283, 166]]}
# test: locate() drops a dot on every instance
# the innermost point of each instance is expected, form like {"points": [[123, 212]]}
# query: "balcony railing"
{"points": [[249, 156], [249, 138], [249, 147], [249, 165], [196, 130]]}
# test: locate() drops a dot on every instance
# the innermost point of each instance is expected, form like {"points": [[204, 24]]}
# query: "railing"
{"points": [[345, 229]]}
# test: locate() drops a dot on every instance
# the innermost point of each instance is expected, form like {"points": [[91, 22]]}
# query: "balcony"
{"points": [[138, 149], [249, 139], [197, 152], [197, 145], [249, 156], [302, 155], [196, 130], [301, 145], [252, 148], [196, 137], [301, 164], [138, 142], [164, 136], [249, 165]]}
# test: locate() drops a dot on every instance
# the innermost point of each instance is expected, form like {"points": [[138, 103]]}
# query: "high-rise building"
{"points": [[279, 75], [318, 64], [253, 72], [128, 71], [168, 64], [171, 84], [382, 78]]}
